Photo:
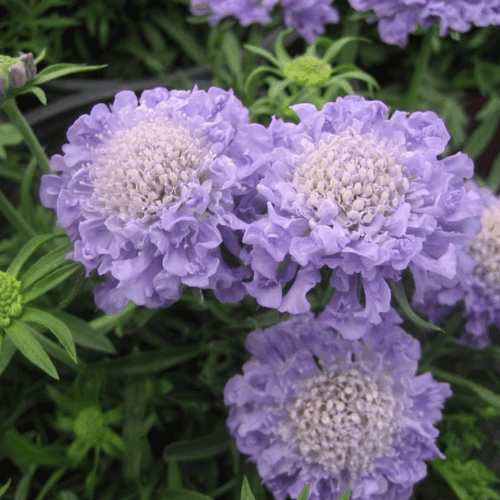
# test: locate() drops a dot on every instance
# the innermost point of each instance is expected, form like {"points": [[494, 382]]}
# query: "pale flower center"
{"points": [[141, 170], [361, 174], [486, 247], [342, 420]]}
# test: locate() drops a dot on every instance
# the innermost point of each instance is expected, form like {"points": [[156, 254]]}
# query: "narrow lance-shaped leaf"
{"points": [[30, 347], [55, 325], [246, 492], [304, 494], [50, 281], [400, 296]]}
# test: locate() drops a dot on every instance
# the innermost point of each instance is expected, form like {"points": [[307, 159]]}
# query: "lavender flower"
{"points": [[398, 18], [365, 196], [308, 17], [313, 406], [146, 188], [477, 284]]}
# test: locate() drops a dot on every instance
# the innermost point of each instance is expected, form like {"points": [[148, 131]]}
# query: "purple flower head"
{"points": [[398, 18], [478, 281], [313, 406], [145, 188], [363, 195], [308, 17]]}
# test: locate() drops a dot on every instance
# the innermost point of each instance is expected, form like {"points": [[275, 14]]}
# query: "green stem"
{"points": [[349, 54], [16, 117], [420, 69], [14, 217]]}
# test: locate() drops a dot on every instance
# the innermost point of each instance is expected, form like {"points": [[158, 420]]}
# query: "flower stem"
{"points": [[29, 136], [420, 69]]}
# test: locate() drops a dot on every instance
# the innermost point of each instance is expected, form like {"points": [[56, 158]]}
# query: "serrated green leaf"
{"points": [[44, 266], [246, 492], [148, 362], [50, 281], [199, 448], [262, 52], [55, 325], [4, 488], [85, 335], [399, 294], [59, 70], [27, 250], [30, 347]]}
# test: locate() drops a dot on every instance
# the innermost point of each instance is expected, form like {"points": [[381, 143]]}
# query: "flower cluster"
{"points": [[477, 283], [308, 17], [398, 18], [146, 190], [365, 196], [10, 299], [313, 406]]}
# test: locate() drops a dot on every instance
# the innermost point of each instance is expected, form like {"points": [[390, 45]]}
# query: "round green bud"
{"points": [[308, 70], [89, 425], [10, 299]]}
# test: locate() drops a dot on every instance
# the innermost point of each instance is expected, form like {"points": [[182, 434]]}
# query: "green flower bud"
{"points": [[17, 71], [308, 70], [89, 425], [10, 299]]}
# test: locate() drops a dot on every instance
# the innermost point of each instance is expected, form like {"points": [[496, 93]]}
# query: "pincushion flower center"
{"points": [[342, 420], [361, 174], [141, 170], [486, 247]]}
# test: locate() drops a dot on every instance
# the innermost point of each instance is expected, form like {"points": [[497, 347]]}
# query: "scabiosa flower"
{"points": [[313, 406], [308, 17], [365, 196], [398, 18], [477, 284], [145, 188]]}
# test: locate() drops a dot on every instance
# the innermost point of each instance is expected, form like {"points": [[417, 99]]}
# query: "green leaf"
{"points": [[342, 83], [59, 70], [180, 495], [8, 350], [107, 322], [493, 180], [346, 495], [246, 492], [481, 137], [4, 488], [9, 136], [399, 294], [30, 347], [148, 362], [260, 71], [278, 87], [55, 325], [15, 445], [333, 51], [174, 479], [50, 281], [279, 48], [304, 494], [199, 448], [361, 75], [232, 53], [27, 250], [262, 52], [484, 393], [85, 335], [44, 266], [40, 57], [37, 91]]}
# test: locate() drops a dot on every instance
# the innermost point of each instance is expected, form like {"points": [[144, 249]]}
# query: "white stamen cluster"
{"points": [[342, 419], [361, 174], [486, 247], [141, 170]]}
